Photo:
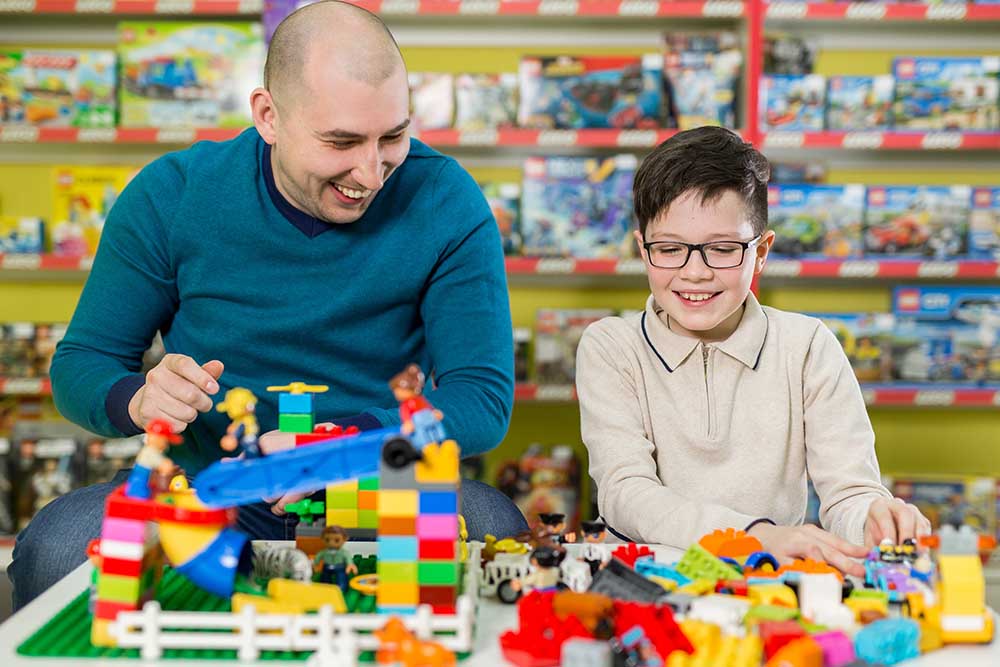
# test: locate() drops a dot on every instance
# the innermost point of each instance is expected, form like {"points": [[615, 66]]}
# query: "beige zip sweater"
{"points": [[686, 437]]}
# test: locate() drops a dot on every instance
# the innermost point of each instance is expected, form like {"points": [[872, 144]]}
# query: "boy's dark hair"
{"points": [[708, 161]]}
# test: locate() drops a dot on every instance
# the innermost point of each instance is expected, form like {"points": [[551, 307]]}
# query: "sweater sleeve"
{"points": [[467, 323], [840, 443], [630, 494], [130, 294]]}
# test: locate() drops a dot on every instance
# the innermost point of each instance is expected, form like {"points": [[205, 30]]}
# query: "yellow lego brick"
{"points": [[774, 594], [99, 634], [342, 518], [713, 649], [265, 605], [962, 588], [311, 596], [390, 594], [698, 587], [404, 502], [439, 465], [858, 605]]}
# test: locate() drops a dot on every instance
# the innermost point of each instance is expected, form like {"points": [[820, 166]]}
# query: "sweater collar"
{"points": [[305, 223], [745, 344]]}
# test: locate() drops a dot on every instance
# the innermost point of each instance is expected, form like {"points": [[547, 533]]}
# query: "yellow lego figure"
{"points": [[240, 405]]}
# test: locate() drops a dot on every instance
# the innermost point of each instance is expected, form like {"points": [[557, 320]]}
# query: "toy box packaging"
{"points": [[577, 206], [432, 98], [82, 196], [792, 102], [954, 501], [522, 354], [917, 221], [177, 74], [816, 220], [6, 490], [104, 457], [47, 337], [47, 467], [485, 101], [567, 92], [17, 350], [557, 335], [947, 93], [21, 235], [505, 202], [58, 88], [544, 480], [984, 224], [859, 102], [867, 342], [701, 75], [785, 53]]}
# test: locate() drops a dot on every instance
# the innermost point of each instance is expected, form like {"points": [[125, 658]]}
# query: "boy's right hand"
{"points": [[176, 389], [789, 542]]}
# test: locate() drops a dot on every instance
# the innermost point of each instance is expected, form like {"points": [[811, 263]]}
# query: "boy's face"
{"points": [[703, 302]]}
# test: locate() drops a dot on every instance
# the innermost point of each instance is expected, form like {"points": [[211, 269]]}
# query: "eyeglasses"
{"points": [[716, 254]]}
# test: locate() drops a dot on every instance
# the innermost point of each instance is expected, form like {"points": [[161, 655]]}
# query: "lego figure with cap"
{"points": [[594, 533], [240, 406], [152, 456], [420, 420], [333, 563], [545, 561], [555, 523]]}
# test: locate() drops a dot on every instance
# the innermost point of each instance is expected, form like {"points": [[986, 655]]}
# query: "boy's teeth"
{"points": [[353, 194], [696, 297]]}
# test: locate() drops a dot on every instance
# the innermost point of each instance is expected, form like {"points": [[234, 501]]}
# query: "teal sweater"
{"points": [[202, 247]]}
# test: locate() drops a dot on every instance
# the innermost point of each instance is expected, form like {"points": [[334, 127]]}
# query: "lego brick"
{"points": [[109, 609], [439, 502], [698, 563], [124, 530], [368, 484], [120, 567], [431, 573], [342, 499], [397, 503], [118, 505], [122, 550], [443, 608], [368, 500], [392, 478], [118, 588], [438, 595], [303, 439], [99, 633], [393, 593], [437, 527], [295, 404], [310, 595], [265, 605], [397, 610], [397, 525], [342, 518], [295, 423], [368, 519], [397, 573], [439, 465], [437, 550], [392, 548]]}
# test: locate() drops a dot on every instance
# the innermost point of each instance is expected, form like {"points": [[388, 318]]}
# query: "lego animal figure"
{"points": [[152, 456], [282, 563], [240, 405], [333, 563], [399, 646], [420, 420]]}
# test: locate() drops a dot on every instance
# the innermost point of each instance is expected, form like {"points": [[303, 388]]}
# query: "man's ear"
{"points": [[265, 114]]}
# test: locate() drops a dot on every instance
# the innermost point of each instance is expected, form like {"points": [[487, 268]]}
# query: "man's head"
{"points": [[703, 186], [334, 108]]}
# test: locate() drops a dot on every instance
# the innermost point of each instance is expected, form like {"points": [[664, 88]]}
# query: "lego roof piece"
{"points": [[621, 582]]}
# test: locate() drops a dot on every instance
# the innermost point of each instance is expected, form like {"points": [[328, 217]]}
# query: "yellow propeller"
{"points": [[300, 388]]}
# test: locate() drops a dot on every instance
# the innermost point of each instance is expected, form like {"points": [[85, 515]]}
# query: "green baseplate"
{"points": [[67, 634]]}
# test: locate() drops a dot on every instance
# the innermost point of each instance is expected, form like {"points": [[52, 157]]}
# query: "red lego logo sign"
{"points": [[908, 300]]}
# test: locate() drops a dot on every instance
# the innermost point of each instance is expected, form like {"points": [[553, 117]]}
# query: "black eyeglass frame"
{"points": [[700, 247]]}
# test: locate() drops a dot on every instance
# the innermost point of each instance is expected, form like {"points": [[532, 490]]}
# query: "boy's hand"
{"points": [[176, 389], [895, 519], [789, 542]]}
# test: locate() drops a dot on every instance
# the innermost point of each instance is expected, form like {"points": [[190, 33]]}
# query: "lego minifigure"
{"points": [[594, 533], [333, 564], [420, 420], [545, 561], [556, 525], [240, 405], [159, 436]]}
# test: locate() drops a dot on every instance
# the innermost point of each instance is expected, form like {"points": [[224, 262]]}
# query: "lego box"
{"points": [[867, 342], [701, 74], [485, 101], [432, 98], [82, 196], [984, 224], [947, 93], [21, 235], [58, 88], [6, 490], [104, 457], [544, 480], [859, 102], [567, 92], [557, 335], [792, 102], [577, 206], [177, 74], [816, 220], [954, 501], [505, 202], [929, 221], [46, 469]]}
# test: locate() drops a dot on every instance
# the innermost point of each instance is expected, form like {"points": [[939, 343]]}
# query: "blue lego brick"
{"points": [[389, 610], [888, 641], [438, 502], [298, 404], [397, 549]]}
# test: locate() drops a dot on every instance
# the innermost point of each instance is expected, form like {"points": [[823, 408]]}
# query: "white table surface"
{"points": [[494, 618]]}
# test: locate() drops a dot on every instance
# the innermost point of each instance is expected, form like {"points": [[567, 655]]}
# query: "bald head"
{"points": [[327, 34]]}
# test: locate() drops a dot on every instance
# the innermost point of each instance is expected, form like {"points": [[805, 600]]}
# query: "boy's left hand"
{"points": [[895, 519]]}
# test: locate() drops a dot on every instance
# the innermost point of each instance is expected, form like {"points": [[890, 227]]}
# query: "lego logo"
{"points": [[908, 300], [863, 11], [876, 197], [772, 196], [638, 8], [906, 68], [479, 7], [787, 10], [942, 140], [982, 198], [558, 8], [950, 12]]}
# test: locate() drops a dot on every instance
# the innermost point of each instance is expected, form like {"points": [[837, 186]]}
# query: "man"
{"points": [[324, 246]]}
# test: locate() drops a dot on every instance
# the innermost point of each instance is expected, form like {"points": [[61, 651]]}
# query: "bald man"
{"points": [[322, 245]]}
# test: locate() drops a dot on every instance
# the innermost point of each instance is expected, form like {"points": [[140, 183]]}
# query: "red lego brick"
{"points": [[539, 639], [630, 553], [443, 608], [128, 568], [658, 623], [733, 587], [110, 610], [436, 550], [776, 634], [434, 595]]}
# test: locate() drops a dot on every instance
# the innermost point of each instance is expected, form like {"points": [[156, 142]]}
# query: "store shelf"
{"points": [[582, 8], [884, 140], [134, 7], [879, 11], [875, 395], [524, 137], [116, 135], [25, 386]]}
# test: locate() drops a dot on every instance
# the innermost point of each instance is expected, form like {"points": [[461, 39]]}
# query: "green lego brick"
{"points": [[295, 423], [770, 612], [118, 588], [698, 563], [870, 593], [342, 500], [437, 574], [368, 484], [397, 573], [368, 519]]}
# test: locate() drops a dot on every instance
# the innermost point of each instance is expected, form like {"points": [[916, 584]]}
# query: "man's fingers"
{"points": [[189, 369], [906, 520], [186, 392], [213, 368], [842, 562], [176, 410], [276, 441], [884, 527], [843, 546]]}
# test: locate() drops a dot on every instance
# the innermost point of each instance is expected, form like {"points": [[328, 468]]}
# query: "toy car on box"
{"points": [[859, 102], [867, 342], [702, 73], [926, 220], [816, 220], [570, 92], [984, 223], [792, 102], [947, 93], [58, 88]]}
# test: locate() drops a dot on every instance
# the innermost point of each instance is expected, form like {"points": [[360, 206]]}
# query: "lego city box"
{"points": [[701, 77], [957, 93], [485, 101], [984, 224], [505, 203], [577, 206], [792, 102], [178, 74], [816, 220], [917, 221], [82, 197], [573, 92], [58, 88], [950, 500], [859, 102], [21, 235], [867, 342]]}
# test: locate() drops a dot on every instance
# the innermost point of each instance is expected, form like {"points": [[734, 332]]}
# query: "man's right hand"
{"points": [[176, 389], [789, 542]]}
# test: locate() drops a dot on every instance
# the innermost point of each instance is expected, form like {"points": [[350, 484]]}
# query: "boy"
{"points": [[706, 410]]}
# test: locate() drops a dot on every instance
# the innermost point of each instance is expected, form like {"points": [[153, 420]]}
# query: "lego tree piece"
{"points": [[888, 641], [730, 543], [697, 563]]}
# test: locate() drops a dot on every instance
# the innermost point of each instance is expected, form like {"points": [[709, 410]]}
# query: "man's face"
{"points": [[337, 144], [703, 302]]}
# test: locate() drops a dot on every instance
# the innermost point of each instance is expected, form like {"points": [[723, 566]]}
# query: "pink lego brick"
{"points": [[124, 530], [437, 527]]}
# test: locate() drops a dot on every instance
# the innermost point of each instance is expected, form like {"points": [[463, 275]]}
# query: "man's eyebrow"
{"points": [[347, 134]]}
